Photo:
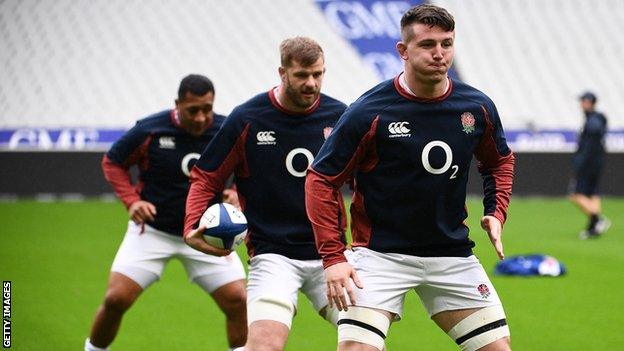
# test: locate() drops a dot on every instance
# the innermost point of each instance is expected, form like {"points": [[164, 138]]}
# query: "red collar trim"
{"points": [[280, 107], [175, 119], [406, 94]]}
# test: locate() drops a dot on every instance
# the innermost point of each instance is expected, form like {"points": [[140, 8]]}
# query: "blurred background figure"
{"points": [[587, 164]]}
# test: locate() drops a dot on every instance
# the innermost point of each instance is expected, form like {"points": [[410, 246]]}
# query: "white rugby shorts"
{"points": [[143, 254], [442, 283], [277, 276]]}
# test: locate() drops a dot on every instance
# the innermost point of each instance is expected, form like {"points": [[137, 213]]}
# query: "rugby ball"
{"points": [[226, 226]]}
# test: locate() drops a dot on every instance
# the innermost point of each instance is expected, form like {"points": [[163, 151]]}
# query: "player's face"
{"points": [[429, 53], [195, 112], [302, 85], [587, 105]]}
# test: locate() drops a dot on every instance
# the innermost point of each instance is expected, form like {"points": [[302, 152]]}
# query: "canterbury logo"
{"points": [[399, 129], [266, 138], [166, 142]]}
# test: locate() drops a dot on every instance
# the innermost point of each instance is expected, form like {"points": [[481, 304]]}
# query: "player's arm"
{"points": [[224, 154], [350, 146], [496, 165], [129, 150]]}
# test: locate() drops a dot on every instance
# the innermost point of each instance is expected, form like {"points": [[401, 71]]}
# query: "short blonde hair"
{"points": [[304, 50]]}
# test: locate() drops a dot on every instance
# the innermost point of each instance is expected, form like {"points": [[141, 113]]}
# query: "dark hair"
{"points": [[588, 95], [195, 84], [430, 15], [304, 50]]}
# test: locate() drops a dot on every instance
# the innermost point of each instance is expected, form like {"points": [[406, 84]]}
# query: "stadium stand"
{"points": [[535, 57], [105, 63]]}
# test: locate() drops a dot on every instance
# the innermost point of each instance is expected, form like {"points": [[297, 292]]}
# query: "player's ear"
{"points": [[282, 72], [402, 49]]}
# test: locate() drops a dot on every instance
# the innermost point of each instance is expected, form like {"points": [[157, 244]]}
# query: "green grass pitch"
{"points": [[57, 256]]}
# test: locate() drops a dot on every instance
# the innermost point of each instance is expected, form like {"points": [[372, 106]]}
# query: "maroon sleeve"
{"points": [[324, 204], [118, 175], [325, 209], [119, 178], [496, 165], [205, 185]]}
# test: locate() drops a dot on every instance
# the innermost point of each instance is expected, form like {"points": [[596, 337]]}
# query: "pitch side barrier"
{"points": [[62, 162]]}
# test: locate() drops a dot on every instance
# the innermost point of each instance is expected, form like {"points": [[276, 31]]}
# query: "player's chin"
{"points": [[199, 129], [307, 100], [437, 77]]}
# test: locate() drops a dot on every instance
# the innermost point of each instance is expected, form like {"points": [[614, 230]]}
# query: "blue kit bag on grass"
{"points": [[529, 265]]}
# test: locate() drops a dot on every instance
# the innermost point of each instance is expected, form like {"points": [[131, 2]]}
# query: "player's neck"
{"points": [[424, 90]]}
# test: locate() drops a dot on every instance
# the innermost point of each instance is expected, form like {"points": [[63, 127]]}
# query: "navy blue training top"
{"points": [[590, 153], [410, 159], [164, 154], [268, 149]]}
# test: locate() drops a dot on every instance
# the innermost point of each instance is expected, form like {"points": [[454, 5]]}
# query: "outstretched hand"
{"points": [[337, 278], [195, 239], [494, 229]]}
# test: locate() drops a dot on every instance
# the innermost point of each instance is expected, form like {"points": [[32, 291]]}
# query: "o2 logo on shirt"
{"points": [[289, 161], [186, 162], [448, 156]]}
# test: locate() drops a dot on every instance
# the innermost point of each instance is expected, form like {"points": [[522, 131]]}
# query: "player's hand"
{"points": [[142, 211], [337, 278], [195, 239], [230, 196], [494, 229]]}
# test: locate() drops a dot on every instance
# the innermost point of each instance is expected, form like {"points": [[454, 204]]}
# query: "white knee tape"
{"points": [[480, 328], [270, 308], [363, 325]]}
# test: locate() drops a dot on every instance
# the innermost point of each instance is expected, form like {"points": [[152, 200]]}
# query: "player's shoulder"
{"points": [[375, 100], [470, 93], [602, 117], [156, 121], [597, 118], [258, 101], [330, 103], [251, 108], [144, 128], [157, 118], [378, 96]]}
